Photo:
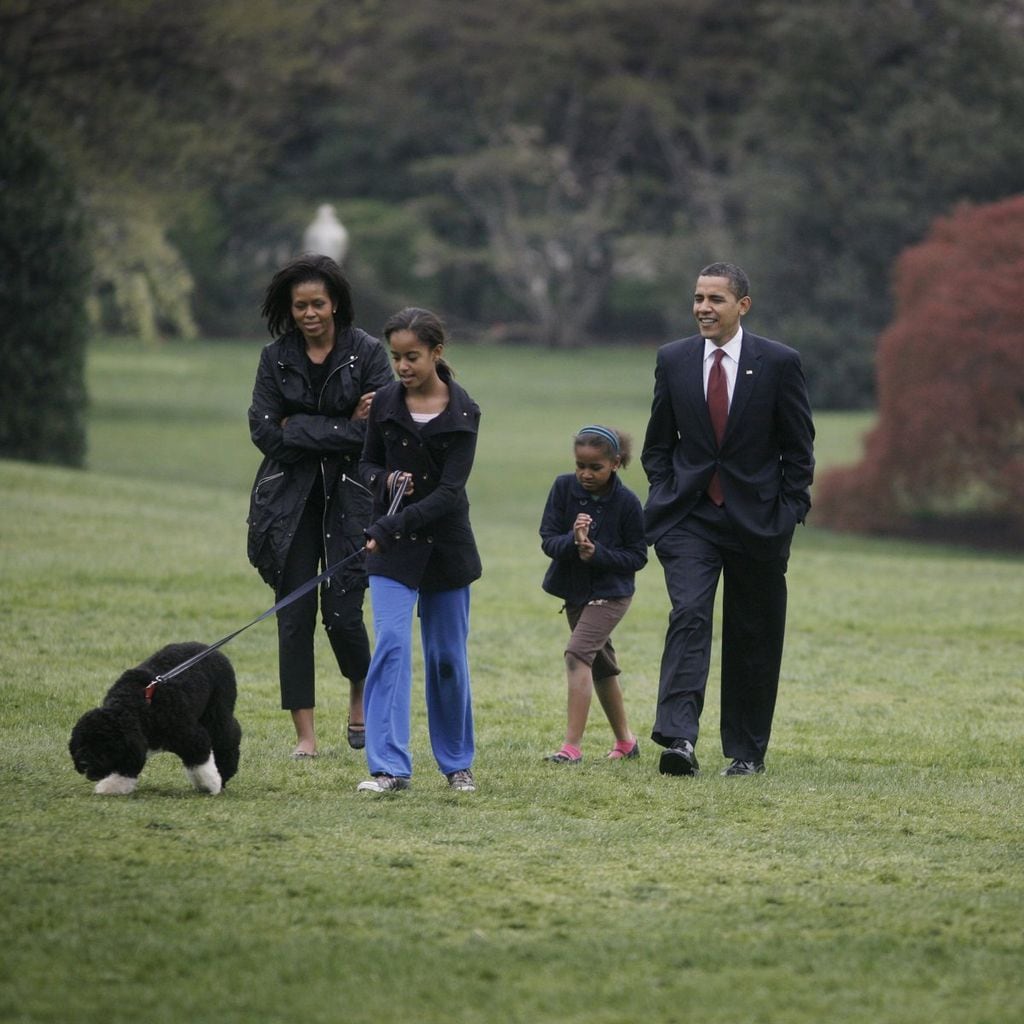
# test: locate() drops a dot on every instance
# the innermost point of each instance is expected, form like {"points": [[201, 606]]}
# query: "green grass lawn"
{"points": [[873, 875]]}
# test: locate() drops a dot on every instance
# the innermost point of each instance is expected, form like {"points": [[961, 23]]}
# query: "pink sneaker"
{"points": [[616, 754], [561, 757]]}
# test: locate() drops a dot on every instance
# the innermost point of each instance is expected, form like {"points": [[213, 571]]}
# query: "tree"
{"points": [[949, 442], [879, 117], [166, 115], [562, 166], [583, 158], [558, 129], [43, 284]]}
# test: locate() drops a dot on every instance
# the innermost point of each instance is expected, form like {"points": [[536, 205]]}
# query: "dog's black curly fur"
{"points": [[191, 715]]}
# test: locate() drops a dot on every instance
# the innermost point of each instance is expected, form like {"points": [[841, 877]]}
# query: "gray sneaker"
{"points": [[383, 784], [462, 780]]}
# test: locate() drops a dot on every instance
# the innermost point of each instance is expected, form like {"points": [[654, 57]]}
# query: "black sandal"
{"points": [[356, 736]]}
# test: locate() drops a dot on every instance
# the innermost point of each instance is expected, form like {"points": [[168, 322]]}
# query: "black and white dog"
{"points": [[191, 715]]}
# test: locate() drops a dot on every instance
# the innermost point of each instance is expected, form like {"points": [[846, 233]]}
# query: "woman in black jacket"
{"points": [[313, 392], [421, 436]]}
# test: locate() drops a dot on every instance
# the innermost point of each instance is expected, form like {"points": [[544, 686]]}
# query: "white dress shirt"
{"points": [[730, 360]]}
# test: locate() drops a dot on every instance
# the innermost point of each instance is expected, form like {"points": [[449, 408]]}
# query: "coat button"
{"points": [[412, 536]]}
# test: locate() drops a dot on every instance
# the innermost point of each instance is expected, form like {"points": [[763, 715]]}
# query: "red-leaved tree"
{"points": [[947, 454]]}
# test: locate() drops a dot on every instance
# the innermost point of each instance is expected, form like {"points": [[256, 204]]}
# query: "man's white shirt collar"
{"points": [[731, 348]]}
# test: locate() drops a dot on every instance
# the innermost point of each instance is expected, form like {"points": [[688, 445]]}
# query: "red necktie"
{"points": [[718, 408]]}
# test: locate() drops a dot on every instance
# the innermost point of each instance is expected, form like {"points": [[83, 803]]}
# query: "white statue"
{"points": [[326, 235]]}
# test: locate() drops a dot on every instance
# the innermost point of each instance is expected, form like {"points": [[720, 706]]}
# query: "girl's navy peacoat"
{"points": [[428, 544], [617, 530]]}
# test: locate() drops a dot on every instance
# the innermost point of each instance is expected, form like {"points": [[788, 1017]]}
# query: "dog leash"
{"points": [[398, 492], [300, 591]]}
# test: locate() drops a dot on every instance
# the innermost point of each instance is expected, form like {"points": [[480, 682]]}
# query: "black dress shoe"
{"points": [[679, 759], [739, 767]]}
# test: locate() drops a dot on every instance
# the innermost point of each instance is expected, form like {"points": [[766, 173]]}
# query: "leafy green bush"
{"points": [[141, 285]]}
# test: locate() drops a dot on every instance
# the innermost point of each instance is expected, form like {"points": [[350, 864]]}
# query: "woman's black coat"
{"points": [[428, 544], [319, 446]]}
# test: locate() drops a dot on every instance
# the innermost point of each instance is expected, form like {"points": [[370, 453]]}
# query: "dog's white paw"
{"points": [[205, 777], [116, 785]]}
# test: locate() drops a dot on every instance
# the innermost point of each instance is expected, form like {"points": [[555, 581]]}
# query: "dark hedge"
{"points": [[44, 276]]}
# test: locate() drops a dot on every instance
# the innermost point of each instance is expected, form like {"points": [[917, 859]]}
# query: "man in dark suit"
{"points": [[729, 457]]}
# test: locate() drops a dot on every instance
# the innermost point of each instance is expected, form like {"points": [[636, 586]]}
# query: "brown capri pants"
{"points": [[592, 626]]}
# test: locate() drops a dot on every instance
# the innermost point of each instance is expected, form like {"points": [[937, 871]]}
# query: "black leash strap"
{"points": [[399, 483], [397, 494], [299, 591]]}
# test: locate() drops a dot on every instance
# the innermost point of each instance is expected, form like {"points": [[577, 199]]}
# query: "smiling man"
{"points": [[729, 456]]}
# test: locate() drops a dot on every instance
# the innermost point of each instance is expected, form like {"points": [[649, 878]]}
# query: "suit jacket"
{"points": [[766, 461]]}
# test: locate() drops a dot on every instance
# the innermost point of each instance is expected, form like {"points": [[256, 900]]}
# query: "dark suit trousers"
{"points": [[695, 554]]}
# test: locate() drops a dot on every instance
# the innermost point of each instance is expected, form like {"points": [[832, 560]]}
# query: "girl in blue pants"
{"points": [[420, 444]]}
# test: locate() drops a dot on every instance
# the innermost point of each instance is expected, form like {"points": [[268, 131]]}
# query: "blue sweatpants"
{"points": [[387, 698]]}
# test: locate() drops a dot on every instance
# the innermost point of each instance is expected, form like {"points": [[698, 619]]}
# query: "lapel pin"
{"points": [[750, 373]]}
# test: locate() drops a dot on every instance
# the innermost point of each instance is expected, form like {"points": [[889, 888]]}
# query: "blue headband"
{"points": [[609, 435]]}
